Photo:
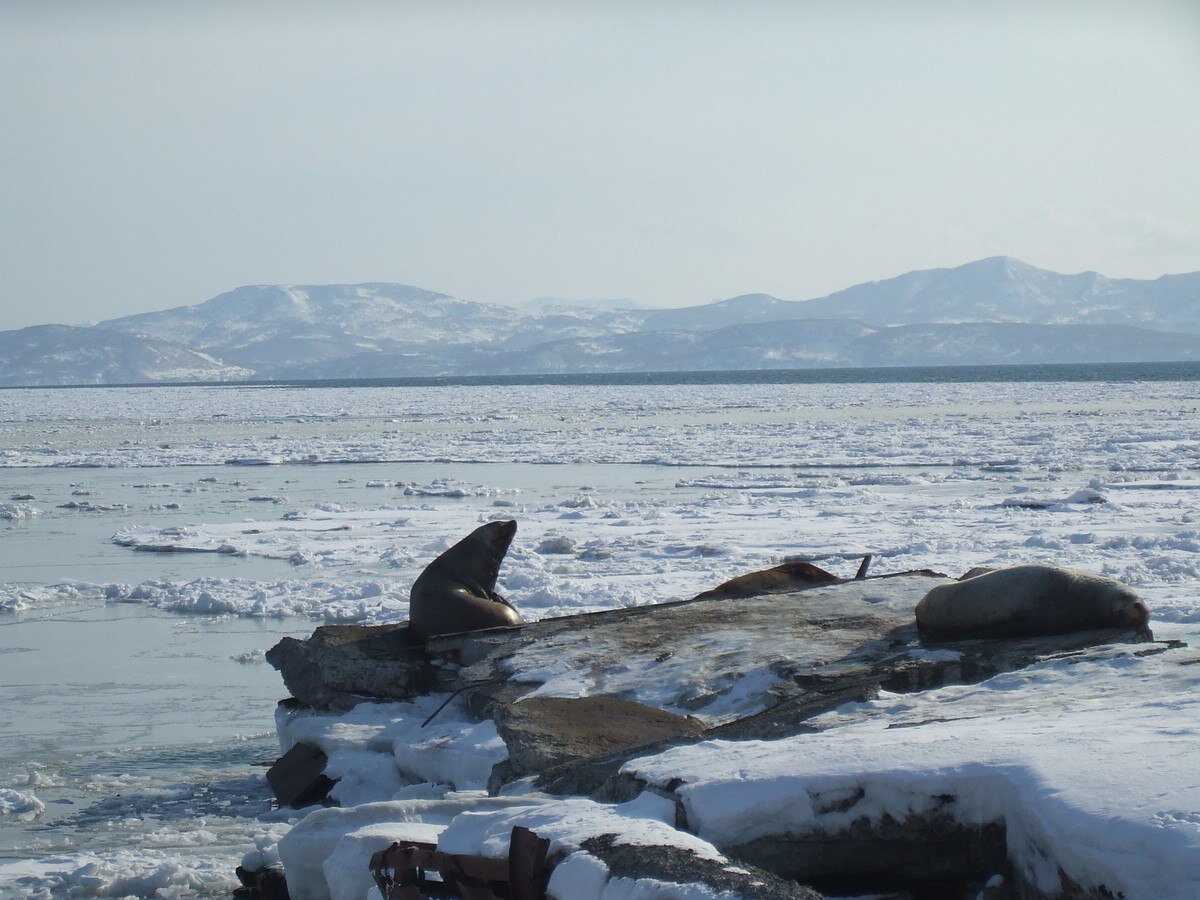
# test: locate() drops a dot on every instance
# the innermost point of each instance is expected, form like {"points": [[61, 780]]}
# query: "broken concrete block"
{"points": [[342, 665], [298, 777]]}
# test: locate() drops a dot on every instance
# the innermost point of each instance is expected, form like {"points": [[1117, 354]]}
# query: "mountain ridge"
{"points": [[103, 359], [265, 332]]}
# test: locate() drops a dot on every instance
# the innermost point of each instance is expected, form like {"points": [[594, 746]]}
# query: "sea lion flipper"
{"points": [[496, 597]]}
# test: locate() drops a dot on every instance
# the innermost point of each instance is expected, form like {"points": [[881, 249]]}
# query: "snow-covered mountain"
{"points": [[997, 289], [996, 310], [273, 328], [63, 354], [1003, 289]]}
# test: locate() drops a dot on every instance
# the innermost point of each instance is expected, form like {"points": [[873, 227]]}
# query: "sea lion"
{"points": [[456, 592], [1029, 600], [977, 570], [792, 576]]}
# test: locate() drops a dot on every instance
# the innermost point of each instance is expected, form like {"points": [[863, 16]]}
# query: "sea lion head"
{"points": [[456, 592], [1128, 608], [475, 560], [1113, 603]]}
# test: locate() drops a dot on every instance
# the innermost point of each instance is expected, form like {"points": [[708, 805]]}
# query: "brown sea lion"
{"points": [[792, 576], [1029, 600], [977, 570], [456, 592]]}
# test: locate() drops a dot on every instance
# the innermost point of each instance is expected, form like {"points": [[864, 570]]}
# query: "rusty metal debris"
{"points": [[412, 870]]}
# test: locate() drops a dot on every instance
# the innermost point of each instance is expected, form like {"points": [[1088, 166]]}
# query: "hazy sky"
{"points": [[154, 154]]}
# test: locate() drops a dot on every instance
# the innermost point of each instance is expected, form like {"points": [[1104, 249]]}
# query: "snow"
{"points": [[20, 804], [1127, 426], [321, 842], [137, 872], [660, 548], [326, 854], [321, 854], [379, 747], [633, 495], [712, 672], [647, 820], [1090, 762], [16, 511]]}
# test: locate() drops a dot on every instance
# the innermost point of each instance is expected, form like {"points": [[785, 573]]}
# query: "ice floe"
{"points": [[1091, 767]]}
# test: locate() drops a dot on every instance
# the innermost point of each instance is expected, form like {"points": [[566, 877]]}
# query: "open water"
{"points": [[136, 727]]}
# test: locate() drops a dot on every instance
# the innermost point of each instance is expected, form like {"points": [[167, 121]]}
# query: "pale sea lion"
{"points": [[793, 576], [456, 592], [1029, 600]]}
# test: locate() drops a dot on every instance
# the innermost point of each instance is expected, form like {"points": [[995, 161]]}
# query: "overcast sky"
{"points": [[155, 154]]}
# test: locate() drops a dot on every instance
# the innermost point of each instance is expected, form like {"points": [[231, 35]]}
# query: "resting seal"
{"points": [[1029, 600], [793, 576], [977, 570], [456, 592]]}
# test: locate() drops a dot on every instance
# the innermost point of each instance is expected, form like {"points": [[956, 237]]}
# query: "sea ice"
{"points": [[631, 495]]}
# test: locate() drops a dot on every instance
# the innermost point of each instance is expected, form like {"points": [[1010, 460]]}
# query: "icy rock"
{"points": [[605, 852], [749, 669], [340, 665], [348, 868], [930, 851], [298, 778], [265, 883], [305, 849], [683, 873], [325, 855], [726, 661], [541, 732], [457, 754]]}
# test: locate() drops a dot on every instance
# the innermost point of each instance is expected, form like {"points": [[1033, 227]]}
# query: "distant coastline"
{"points": [[997, 312], [1057, 372]]}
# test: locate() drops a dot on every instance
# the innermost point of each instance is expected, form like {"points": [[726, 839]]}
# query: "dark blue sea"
{"points": [[1066, 372], [1074, 372]]}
